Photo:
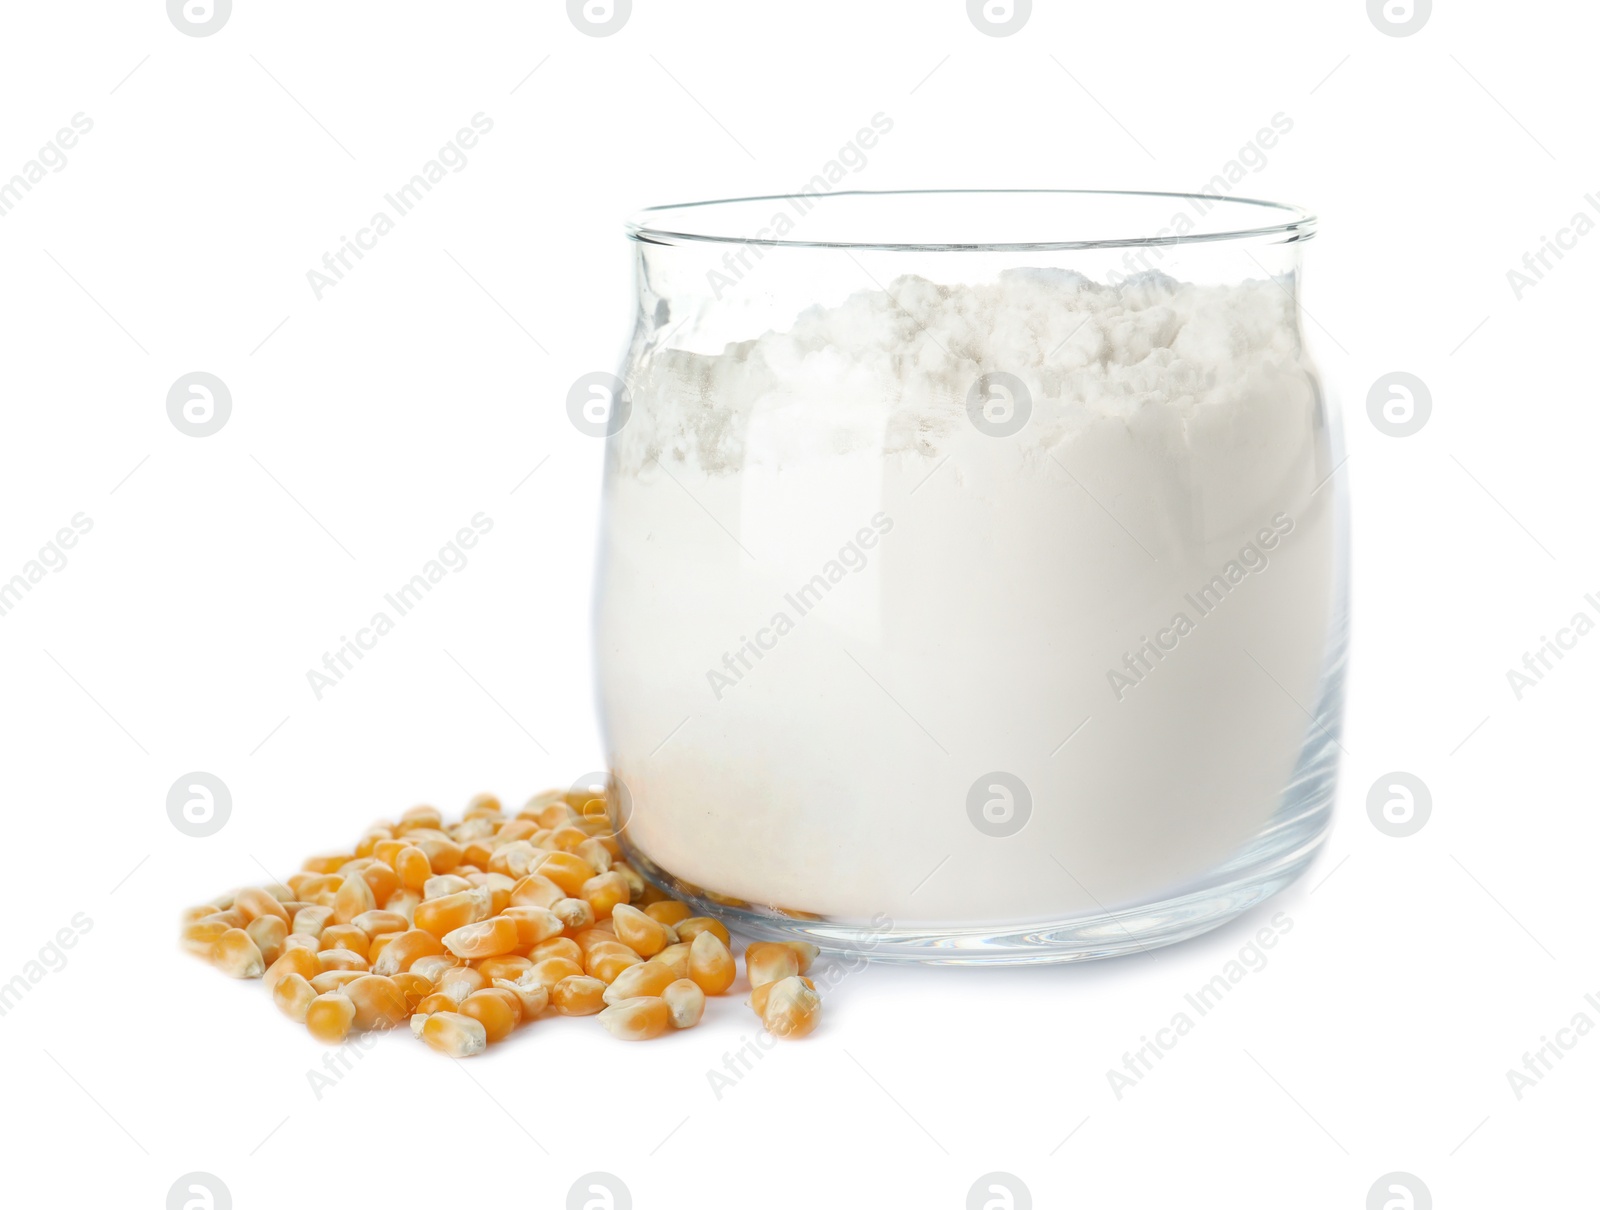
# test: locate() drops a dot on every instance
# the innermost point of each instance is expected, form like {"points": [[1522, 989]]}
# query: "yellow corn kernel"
{"points": [[325, 863], [606, 962], [515, 859], [595, 853], [455, 1034], [557, 947], [443, 853], [645, 979], [766, 962], [381, 880], [303, 940], [332, 981], [639, 933], [440, 885], [403, 903], [375, 922], [499, 888], [710, 964], [574, 914], [413, 987], [515, 829], [388, 851], [370, 839], [566, 838], [459, 982], [486, 939], [691, 927], [805, 951], [235, 954], [269, 933], [686, 1003], [434, 1002], [481, 804], [605, 892], [497, 1011], [669, 911], [477, 853], [535, 890], [637, 1019], [534, 925], [422, 817], [759, 995], [412, 866], [293, 961], [254, 902], [404, 950], [636, 882], [201, 935], [330, 1016], [508, 966], [312, 920], [549, 971], [380, 943], [293, 996], [353, 898], [578, 996], [555, 814], [344, 937], [535, 998], [792, 1008], [588, 938], [379, 1002], [567, 870], [341, 960], [676, 957], [432, 967], [450, 912], [234, 918]]}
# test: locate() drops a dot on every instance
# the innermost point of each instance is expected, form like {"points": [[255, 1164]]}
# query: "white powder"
{"points": [[969, 600]]}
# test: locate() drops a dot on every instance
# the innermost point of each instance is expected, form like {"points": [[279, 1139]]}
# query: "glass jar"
{"points": [[972, 569]]}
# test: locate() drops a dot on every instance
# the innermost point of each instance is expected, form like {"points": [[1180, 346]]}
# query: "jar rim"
{"points": [[1012, 220]]}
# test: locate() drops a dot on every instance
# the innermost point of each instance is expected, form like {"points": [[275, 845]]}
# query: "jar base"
{"points": [[1081, 939], [1274, 859]]}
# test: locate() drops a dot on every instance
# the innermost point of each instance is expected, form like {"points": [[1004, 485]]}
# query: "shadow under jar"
{"points": [[972, 570]]}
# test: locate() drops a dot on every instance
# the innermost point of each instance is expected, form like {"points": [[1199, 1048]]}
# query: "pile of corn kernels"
{"points": [[472, 929]]}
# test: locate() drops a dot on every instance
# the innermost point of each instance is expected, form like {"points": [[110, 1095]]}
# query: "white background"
{"points": [[369, 426]]}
